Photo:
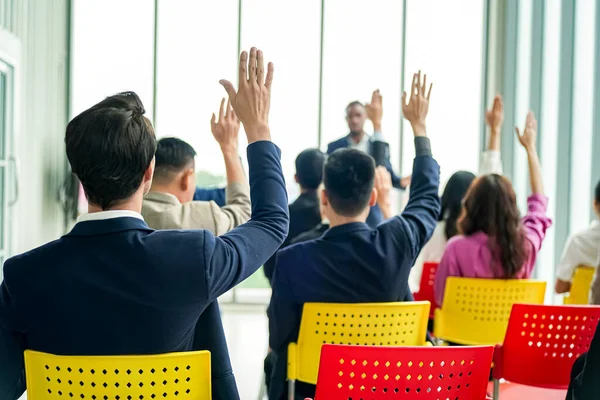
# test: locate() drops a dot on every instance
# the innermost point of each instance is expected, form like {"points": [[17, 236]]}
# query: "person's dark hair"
{"points": [[309, 168], [354, 103], [172, 156], [109, 147], [348, 176], [598, 192], [452, 200], [490, 206]]}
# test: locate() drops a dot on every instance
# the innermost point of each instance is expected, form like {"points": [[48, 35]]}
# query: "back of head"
{"points": [[490, 206], [172, 156], [348, 177], [110, 146], [597, 193], [309, 168], [452, 200]]}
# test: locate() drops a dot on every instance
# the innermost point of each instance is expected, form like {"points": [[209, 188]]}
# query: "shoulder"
{"points": [[337, 144], [293, 254], [457, 242], [37, 260]]}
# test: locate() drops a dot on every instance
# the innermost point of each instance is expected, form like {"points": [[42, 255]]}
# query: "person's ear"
{"points": [[186, 180], [148, 174], [373, 199], [324, 199], [296, 178], [597, 207]]}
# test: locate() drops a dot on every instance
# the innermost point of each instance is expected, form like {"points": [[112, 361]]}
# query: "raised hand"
{"points": [[529, 135], [226, 129], [252, 101], [415, 110], [375, 110], [383, 185], [494, 117]]}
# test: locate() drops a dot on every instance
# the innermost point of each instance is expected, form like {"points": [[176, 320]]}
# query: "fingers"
{"points": [[243, 71], [518, 132], [221, 110], [260, 68], [424, 87], [270, 71], [229, 87], [429, 93], [252, 66], [413, 89], [419, 88], [404, 99], [213, 122]]}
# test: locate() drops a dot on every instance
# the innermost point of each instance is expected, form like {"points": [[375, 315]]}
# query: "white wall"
{"points": [[40, 29]]}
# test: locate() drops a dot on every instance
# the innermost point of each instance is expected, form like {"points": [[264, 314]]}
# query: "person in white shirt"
{"points": [[454, 192], [582, 249]]}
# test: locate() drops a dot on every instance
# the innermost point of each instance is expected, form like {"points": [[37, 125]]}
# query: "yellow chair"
{"points": [[475, 311], [366, 324], [148, 377], [580, 288]]}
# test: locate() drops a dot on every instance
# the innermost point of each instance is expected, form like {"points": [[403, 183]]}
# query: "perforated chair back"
{"points": [[543, 341], [183, 376], [369, 324], [425, 292], [476, 311], [423, 373], [580, 287]]}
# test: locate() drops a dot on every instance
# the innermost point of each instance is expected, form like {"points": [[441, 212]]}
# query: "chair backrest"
{"points": [[580, 287], [425, 292], [148, 377], [358, 372], [543, 341], [475, 311], [368, 324]]}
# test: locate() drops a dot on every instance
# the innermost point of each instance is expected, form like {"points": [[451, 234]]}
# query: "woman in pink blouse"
{"points": [[494, 241]]}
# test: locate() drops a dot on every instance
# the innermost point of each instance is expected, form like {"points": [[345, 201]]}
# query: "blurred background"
{"points": [[58, 57]]}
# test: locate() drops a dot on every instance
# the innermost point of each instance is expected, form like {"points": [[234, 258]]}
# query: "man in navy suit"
{"points": [[356, 116], [352, 262], [112, 285]]}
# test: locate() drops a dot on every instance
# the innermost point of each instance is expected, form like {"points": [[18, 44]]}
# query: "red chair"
{"points": [[542, 342], [425, 292], [423, 373]]}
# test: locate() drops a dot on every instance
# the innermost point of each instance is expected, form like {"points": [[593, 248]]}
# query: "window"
{"points": [[197, 46], [112, 51], [453, 62]]}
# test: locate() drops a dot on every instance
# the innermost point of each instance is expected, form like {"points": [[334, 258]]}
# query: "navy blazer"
{"points": [[375, 216], [217, 195], [115, 286], [351, 263]]}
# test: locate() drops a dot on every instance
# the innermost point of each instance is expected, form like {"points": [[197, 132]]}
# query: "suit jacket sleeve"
{"points": [[216, 195], [283, 312], [236, 212], [395, 178], [232, 257], [418, 220]]}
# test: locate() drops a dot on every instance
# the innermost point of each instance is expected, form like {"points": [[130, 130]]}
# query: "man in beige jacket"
{"points": [[170, 205]]}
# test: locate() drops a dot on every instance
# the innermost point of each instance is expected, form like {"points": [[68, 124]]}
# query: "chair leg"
{"points": [[291, 389], [496, 389]]}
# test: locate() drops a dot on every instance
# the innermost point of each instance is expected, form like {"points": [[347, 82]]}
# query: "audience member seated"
{"points": [[582, 249], [494, 242], [169, 206], [455, 191], [585, 372], [352, 262], [113, 286], [356, 116], [304, 211]]}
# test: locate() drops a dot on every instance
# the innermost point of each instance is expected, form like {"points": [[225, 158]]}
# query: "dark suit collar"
{"points": [[347, 228], [107, 226]]}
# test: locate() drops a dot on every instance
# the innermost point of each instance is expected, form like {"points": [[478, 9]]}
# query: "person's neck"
{"points": [[337, 220], [161, 188], [357, 136], [305, 190], [134, 203]]}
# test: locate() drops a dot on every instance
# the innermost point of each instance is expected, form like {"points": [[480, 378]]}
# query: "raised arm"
{"points": [[383, 184], [528, 141], [236, 255], [420, 216], [237, 209], [491, 162]]}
